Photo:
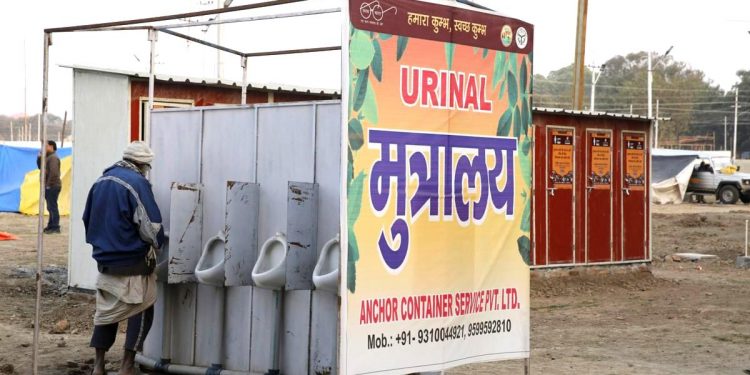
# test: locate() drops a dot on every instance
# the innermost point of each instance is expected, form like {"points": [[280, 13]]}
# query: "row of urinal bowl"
{"points": [[270, 269]]}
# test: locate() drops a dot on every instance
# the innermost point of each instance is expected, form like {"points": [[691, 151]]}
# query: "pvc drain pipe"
{"points": [[169, 368]]}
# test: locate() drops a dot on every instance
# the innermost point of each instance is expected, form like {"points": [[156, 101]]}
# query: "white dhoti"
{"points": [[120, 297]]}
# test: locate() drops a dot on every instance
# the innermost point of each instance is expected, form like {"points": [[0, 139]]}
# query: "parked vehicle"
{"points": [[718, 177]]}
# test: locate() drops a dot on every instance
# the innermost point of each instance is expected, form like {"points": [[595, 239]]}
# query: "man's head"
{"points": [[51, 147], [140, 154]]}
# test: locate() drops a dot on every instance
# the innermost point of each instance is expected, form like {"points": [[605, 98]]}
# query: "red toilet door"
{"points": [[598, 200], [560, 195], [633, 192]]}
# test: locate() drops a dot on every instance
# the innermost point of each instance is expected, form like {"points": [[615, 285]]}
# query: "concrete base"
{"points": [[743, 262]]}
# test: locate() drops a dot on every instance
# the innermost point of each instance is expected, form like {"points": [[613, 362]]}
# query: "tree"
{"points": [[695, 105]]}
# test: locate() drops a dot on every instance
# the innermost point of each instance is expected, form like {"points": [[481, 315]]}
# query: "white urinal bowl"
{"points": [[270, 268], [327, 269], [210, 268]]}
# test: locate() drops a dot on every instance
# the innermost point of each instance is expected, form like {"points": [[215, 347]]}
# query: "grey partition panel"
{"points": [[176, 142], [228, 144], [241, 228], [185, 231], [301, 234], [325, 305], [286, 140]]}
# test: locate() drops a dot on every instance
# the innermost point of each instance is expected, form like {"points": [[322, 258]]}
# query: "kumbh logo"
{"points": [[506, 36], [522, 37], [373, 10]]}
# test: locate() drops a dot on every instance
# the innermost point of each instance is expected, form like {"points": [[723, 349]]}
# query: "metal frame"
{"points": [[587, 168], [153, 31], [646, 190], [546, 196]]}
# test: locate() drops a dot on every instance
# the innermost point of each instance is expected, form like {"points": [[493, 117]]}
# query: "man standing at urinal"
{"points": [[123, 224]]}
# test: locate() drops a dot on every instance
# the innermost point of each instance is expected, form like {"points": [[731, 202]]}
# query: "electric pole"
{"points": [[656, 126], [736, 107], [596, 72], [650, 83], [651, 80], [578, 69]]}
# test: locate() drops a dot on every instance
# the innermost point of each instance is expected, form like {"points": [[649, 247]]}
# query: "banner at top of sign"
{"points": [[442, 23]]}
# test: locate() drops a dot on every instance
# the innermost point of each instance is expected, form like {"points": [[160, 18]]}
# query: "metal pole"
{"points": [[631, 109], [527, 366], [746, 222], [62, 133], [734, 140], [152, 38], [656, 126], [595, 73], [578, 70], [650, 86], [243, 62], [40, 223], [110, 25], [218, 41], [24, 132]]}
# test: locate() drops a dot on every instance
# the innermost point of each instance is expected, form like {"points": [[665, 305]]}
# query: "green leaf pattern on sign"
{"points": [[356, 137], [360, 88], [361, 50], [377, 61], [524, 248], [366, 58], [505, 123], [401, 42], [370, 106]]}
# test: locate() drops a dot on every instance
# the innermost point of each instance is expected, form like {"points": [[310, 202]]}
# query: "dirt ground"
{"points": [[667, 318]]}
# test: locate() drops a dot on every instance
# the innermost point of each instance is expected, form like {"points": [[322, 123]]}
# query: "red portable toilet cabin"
{"points": [[592, 174]]}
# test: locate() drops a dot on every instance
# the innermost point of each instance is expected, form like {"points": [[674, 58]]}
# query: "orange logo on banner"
{"points": [[635, 162], [562, 159], [601, 161]]}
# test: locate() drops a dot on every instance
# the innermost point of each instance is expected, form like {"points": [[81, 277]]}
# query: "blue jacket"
{"points": [[121, 218]]}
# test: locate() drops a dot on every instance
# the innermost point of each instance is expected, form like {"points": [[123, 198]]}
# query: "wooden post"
{"points": [[578, 69]]}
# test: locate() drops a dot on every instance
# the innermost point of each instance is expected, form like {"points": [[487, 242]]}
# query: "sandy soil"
{"points": [[668, 318]]}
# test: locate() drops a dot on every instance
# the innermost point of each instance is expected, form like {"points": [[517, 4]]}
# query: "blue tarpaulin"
{"points": [[15, 163]]}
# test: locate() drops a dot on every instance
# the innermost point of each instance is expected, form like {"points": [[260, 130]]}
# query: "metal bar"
{"points": [[152, 38], [168, 17], [475, 5], [243, 62], [293, 51], [62, 134], [40, 224], [249, 19], [201, 41]]}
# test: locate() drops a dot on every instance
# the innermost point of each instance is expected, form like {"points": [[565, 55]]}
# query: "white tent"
{"points": [[672, 169]]}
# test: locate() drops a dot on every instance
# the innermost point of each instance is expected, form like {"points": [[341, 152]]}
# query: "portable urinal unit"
{"points": [[210, 268], [270, 269], [326, 272]]}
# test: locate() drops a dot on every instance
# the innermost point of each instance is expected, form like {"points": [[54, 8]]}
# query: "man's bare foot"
{"points": [[128, 363], [99, 362]]}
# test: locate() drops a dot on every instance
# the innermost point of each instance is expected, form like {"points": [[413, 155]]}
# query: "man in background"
{"points": [[123, 225], [52, 186]]}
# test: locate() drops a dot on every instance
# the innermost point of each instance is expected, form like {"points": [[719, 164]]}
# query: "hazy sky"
{"points": [[711, 36]]}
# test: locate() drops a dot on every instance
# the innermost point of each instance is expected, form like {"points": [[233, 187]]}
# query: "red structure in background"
{"points": [[174, 93], [591, 188]]}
